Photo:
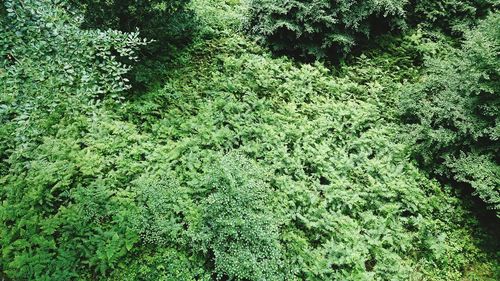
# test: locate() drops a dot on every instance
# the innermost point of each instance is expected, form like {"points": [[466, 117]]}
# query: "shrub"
{"points": [[322, 28], [238, 228], [165, 21], [451, 16], [61, 214], [318, 29], [453, 112], [51, 66]]}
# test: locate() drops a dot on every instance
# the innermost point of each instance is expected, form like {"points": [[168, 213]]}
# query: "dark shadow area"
{"points": [[487, 229]]}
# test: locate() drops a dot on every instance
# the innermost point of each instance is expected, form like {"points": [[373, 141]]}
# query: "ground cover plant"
{"points": [[231, 163]]}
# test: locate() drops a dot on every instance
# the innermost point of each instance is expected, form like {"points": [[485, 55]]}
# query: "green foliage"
{"points": [[452, 16], [217, 17], [50, 67], [163, 204], [453, 112], [65, 212], [62, 215], [236, 166], [333, 29], [166, 21], [322, 28], [238, 228], [346, 201], [165, 264]]}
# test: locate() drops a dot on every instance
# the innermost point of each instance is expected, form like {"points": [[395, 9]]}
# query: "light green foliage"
{"points": [[65, 211], [61, 153], [349, 204], [218, 17], [453, 112], [164, 203], [237, 225], [322, 28]]}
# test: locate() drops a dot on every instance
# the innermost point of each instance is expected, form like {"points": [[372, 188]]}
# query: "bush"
{"points": [[318, 29], [165, 21], [453, 112], [238, 228], [61, 217], [50, 65], [322, 28], [451, 16]]}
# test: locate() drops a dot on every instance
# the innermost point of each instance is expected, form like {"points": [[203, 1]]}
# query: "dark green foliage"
{"points": [[452, 16], [322, 28], [454, 112], [165, 21]]}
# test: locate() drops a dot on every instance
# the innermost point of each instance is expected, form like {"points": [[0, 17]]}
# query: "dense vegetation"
{"points": [[319, 28], [454, 112], [166, 22], [230, 163]]}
